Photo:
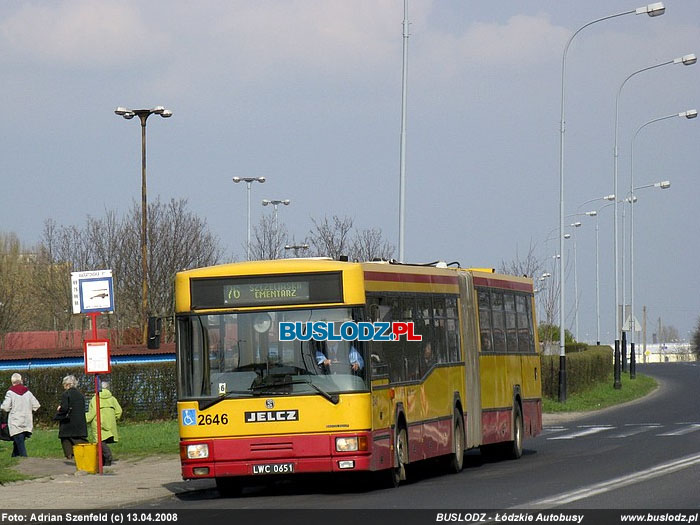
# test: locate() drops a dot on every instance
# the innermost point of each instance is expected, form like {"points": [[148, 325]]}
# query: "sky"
{"points": [[307, 93]]}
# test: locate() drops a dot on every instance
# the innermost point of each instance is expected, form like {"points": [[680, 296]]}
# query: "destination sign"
{"points": [[266, 290], [253, 293]]}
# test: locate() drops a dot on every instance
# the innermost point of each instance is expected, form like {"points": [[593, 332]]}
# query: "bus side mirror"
{"points": [[154, 327]]}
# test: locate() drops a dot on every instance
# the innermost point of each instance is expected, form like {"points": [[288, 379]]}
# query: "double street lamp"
{"points": [[143, 115], [652, 10], [275, 203], [248, 181]]}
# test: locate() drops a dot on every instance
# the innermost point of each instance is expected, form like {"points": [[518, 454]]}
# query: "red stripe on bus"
{"points": [[499, 283], [411, 278]]}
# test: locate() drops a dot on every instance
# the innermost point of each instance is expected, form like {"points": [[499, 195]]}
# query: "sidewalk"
{"points": [[58, 485]]}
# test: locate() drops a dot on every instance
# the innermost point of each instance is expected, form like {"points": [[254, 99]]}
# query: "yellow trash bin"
{"points": [[85, 455]]}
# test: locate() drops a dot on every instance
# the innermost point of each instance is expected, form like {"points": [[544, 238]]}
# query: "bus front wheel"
{"points": [[397, 473]]}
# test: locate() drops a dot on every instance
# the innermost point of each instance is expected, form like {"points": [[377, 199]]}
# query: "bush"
{"points": [[145, 391], [583, 370]]}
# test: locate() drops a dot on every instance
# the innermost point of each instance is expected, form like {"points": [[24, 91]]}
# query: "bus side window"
{"points": [[511, 326], [485, 321], [499, 322], [452, 330], [525, 336]]}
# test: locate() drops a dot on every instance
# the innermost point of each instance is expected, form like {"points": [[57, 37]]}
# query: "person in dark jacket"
{"points": [[72, 427]]}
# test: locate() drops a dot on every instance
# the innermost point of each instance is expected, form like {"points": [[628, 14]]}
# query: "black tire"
{"points": [[456, 459], [397, 473], [229, 487], [514, 449]]}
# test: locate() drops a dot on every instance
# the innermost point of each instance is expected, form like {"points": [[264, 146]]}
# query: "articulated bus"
{"points": [[255, 402]]}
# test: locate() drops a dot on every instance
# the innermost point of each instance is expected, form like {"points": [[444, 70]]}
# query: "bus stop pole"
{"points": [[98, 435]]}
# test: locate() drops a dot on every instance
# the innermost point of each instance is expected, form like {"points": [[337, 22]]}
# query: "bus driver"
{"points": [[330, 353]]}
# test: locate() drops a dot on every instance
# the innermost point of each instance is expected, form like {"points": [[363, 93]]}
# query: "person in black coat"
{"points": [[72, 427]]}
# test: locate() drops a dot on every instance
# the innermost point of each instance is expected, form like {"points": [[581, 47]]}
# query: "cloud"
{"points": [[81, 34], [522, 41]]}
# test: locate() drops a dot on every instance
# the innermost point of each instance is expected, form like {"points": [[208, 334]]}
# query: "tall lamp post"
{"points": [[686, 60], [143, 115], [689, 114], [594, 213], [275, 203], [597, 269], [652, 10], [248, 181]]}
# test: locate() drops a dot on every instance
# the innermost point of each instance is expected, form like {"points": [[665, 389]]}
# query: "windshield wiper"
{"points": [[333, 398], [203, 405]]}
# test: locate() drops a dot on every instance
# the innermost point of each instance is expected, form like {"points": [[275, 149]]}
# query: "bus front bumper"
{"points": [[282, 455]]}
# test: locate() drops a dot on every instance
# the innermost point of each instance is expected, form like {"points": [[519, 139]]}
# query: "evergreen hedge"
{"points": [[583, 370], [145, 391]]}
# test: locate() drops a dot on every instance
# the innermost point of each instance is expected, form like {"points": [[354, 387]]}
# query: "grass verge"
{"points": [[603, 395], [135, 440]]}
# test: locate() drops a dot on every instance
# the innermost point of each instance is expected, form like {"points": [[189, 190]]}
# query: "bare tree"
{"points": [[368, 245], [269, 239], [178, 240], [330, 238], [531, 266]]}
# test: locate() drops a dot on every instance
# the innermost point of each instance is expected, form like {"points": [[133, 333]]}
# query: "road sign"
{"points": [[628, 324], [92, 291]]}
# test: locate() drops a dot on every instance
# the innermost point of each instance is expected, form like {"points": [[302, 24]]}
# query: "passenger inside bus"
{"points": [[334, 357]]}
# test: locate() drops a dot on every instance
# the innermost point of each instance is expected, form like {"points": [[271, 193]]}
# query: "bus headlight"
{"points": [[350, 443], [198, 451]]}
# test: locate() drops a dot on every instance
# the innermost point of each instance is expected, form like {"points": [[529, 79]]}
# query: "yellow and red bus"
{"points": [[253, 404]]}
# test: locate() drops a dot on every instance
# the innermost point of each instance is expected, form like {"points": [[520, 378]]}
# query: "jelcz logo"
{"points": [[271, 416], [347, 331]]}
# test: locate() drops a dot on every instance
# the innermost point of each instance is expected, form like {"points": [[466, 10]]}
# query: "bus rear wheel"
{"points": [[456, 459], [514, 449]]}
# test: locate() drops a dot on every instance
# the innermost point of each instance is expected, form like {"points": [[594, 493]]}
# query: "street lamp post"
{"points": [[275, 203], [248, 181], [143, 115], [689, 114], [597, 270], [654, 9], [594, 213], [686, 60], [402, 152]]}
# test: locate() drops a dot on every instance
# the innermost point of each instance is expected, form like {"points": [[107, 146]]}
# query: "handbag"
{"points": [[63, 417], [4, 427]]}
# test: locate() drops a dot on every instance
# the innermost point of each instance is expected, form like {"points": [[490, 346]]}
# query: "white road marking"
{"points": [[587, 431], [637, 429], [616, 483], [686, 430]]}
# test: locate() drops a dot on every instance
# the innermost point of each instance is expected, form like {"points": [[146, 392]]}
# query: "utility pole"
{"points": [[644, 333]]}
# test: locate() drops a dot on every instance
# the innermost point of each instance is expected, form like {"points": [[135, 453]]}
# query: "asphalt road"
{"points": [[644, 455]]}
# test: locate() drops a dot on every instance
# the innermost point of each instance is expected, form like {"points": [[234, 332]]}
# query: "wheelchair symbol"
{"points": [[189, 417]]}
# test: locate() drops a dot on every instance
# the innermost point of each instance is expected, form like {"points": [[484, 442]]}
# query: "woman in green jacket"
{"points": [[110, 411]]}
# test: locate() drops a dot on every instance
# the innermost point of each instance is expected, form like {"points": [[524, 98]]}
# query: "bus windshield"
{"points": [[228, 355]]}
